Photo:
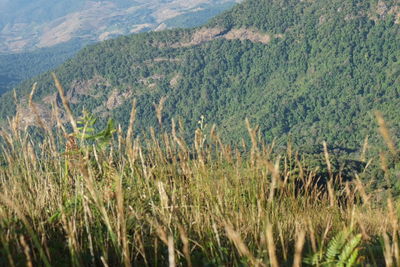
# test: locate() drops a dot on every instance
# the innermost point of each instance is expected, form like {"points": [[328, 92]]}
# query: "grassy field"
{"points": [[157, 201]]}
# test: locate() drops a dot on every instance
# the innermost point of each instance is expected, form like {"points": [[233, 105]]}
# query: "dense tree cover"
{"points": [[333, 64], [15, 68]]}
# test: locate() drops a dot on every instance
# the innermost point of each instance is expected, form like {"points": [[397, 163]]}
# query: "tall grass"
{"points": [[157, 201]]}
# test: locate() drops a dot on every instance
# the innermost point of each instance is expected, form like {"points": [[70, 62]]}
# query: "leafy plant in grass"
{"points": [[87, 131], [342, 250]]}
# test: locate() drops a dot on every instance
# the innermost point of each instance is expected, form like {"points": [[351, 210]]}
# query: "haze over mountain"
{"points": [[27, 25], [36, 36], [305, 70]]}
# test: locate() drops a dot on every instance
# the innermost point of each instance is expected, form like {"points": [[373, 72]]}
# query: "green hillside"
{"points": [[15, 68], [305, 70], [18, 66]]}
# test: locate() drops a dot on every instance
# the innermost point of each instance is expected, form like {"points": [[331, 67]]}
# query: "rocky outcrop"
{"points": [[382, 10], [204, 35], [117, 98], [175, 81]]}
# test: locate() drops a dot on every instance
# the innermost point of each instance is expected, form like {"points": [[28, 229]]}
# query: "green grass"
{"points": [[158, 201]]}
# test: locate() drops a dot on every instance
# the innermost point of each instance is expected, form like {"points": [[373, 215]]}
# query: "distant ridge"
{"points": [[28, 25]]}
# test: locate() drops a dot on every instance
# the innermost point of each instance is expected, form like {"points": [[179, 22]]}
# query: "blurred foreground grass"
{"points": [[110, 199]]}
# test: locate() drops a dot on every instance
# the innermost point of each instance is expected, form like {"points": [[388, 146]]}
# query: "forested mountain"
{"points": [[307, 71], [26, 25], [17, 67]]}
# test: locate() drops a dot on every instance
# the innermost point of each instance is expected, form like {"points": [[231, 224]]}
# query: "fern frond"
{"points": [[353, 258], [348, 249], [335, 246], [314, 259]]}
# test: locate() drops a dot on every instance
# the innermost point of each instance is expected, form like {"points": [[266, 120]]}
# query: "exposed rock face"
{"points": [[150, 82], [26, 117], [87, 88], [117, 98], [248, 34], [382, 10], [175, 81], [204, 35]]}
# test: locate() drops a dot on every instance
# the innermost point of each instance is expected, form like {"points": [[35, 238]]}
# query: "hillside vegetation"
{"points": [[21, 59], [308, 70], [15, 68]]}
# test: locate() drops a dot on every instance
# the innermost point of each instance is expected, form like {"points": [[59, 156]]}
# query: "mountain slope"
{"points": [[308, 70], [26, 25], [29, 24], [15, 68]]}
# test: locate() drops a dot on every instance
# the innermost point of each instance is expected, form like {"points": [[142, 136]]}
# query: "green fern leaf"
{"points": [[353, 258], [348, 249], [314, 259], [335, 246]]}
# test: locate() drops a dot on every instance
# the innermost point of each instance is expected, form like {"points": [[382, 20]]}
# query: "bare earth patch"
{"points": [[382, 10], [117, 98], [88, 87], [204, 35], [27, 117], [248, 34], [150, 81], [175, 81]]}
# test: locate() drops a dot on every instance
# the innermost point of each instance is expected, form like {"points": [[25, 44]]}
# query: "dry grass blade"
{"points": [[274, 169], [253, 136], [34, 108], [103, 260], [327, 160], [122, 222], [171, 251], [383, 130], [27, 251], [130, 127], [364, 149], [65, 102], [271, 246], [387, 251], [43, 125], [57, 116], [240, 245], [299, 248], [159, 108], [186, 248], [22, 217]]}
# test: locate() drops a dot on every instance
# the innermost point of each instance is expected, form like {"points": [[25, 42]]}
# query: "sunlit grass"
{"points": [[159, 201]]}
